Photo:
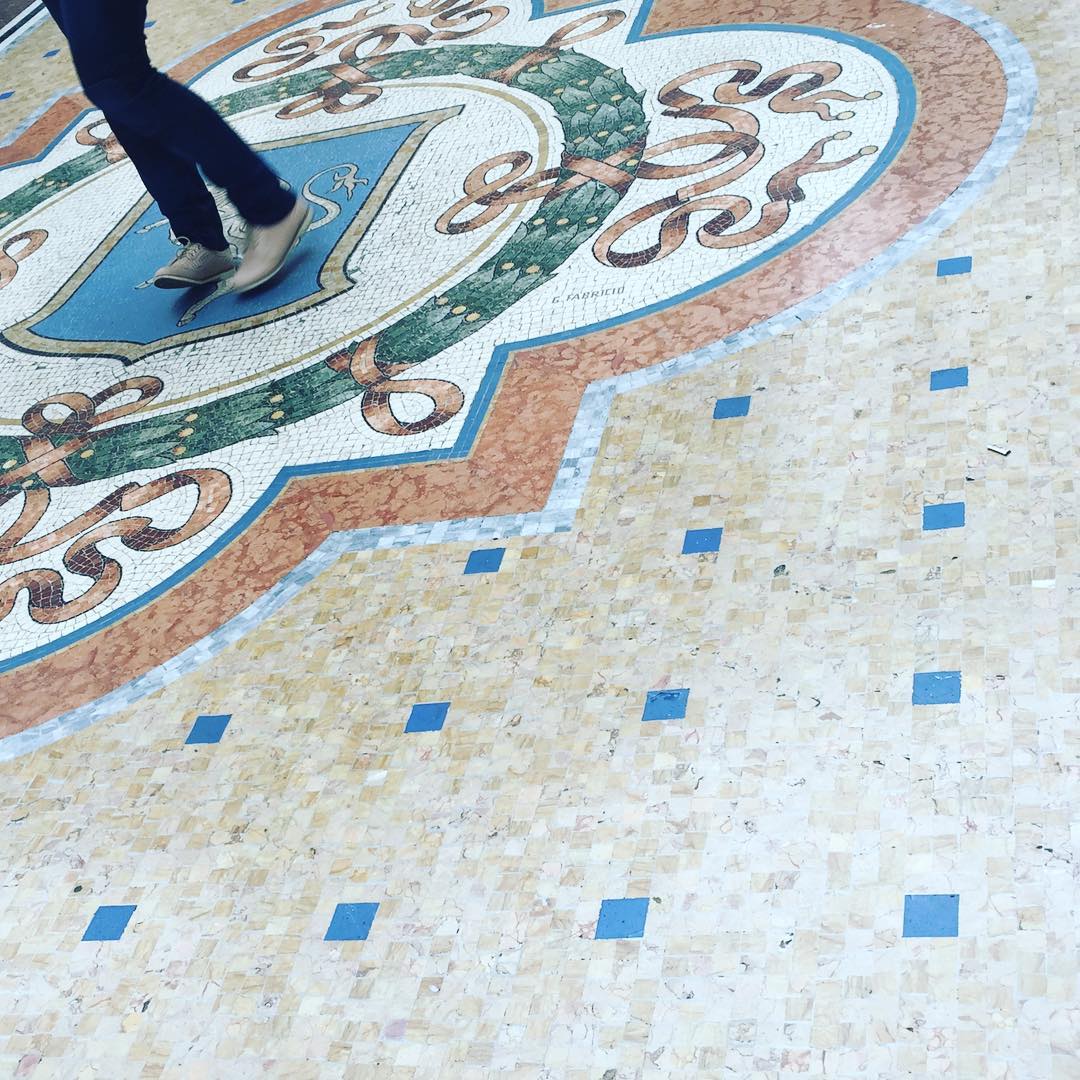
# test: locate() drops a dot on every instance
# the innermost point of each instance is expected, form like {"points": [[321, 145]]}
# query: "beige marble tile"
{"points": [[776, 829]]}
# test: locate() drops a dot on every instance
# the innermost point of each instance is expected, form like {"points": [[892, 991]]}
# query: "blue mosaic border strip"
{"points": [[585, 437], [501, 354]]}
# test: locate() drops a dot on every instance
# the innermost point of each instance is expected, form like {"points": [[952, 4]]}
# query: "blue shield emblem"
{"points": [[108, 309]]}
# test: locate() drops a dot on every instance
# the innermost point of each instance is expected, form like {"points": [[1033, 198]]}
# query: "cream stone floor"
{"points": [[183, 30], [776, 830]]}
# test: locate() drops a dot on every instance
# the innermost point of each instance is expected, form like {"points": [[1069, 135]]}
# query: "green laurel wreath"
{"points": [[600, 115]]}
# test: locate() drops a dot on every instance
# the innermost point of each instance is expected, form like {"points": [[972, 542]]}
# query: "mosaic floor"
{"points": [[609, 611]]}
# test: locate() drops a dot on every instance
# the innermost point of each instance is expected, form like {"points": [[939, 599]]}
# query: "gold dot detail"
{"points": [[592, 220], [602, 134], [458, 309], [441, 300], [179, 451], [10, 463], [277, 414], [538, 221], [86, 455], [472, 316], [558, 90], [591, 107], [27, 484], [507, 266], [583, 82], [534, 269], [275, 398], [191, 417], [632, 162], [616, 98], [563, 221]]}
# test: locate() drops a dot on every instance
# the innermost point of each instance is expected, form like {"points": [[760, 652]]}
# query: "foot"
{"points": [[195, 265], [269, 246]]}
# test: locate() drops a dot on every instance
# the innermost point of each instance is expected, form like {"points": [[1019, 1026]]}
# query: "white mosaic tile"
{"points": [[62, 331]]}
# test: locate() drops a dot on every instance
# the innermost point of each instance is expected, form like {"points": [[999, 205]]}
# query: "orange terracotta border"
{"points": [[512, 465]]}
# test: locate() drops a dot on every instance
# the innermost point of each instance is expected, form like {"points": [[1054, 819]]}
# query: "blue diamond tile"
{"points": [[428, 717], [935, 688], [109, 922], [729, 408], [208, 729], [952, 267], [149, 23], [485, 561], [665, 705], [700, 541], [351, 922], [948, 378], [943, 516], [932, 915], [50, 54], [622, 918], [6, 94]]}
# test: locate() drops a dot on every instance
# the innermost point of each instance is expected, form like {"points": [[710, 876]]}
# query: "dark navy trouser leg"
{"points": [[168, 132]]}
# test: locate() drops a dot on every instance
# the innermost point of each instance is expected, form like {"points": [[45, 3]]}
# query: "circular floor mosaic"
{"points": [[509, 205]]}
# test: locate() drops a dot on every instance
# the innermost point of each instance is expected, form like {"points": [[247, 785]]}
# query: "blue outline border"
{"points": [[493, 375], [590, 423]]}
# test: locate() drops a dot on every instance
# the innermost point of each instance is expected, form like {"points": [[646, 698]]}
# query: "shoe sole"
{"points": [[301, 229], [190, 283]]}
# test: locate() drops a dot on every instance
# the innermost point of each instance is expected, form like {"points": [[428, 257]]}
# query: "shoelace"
{"points": [[189, 252]]}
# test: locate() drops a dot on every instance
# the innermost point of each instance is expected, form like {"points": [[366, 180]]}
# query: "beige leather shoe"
{"points": [[268, 247], [195, 265]]}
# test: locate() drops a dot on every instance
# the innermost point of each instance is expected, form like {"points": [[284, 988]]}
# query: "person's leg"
{"points": [[108, 46], [55, 10], [174, 181]]}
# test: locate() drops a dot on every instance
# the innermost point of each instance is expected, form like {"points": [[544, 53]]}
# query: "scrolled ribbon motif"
{"points": [[605, 152], [595, 157], [51, 443], [27, 243]]}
